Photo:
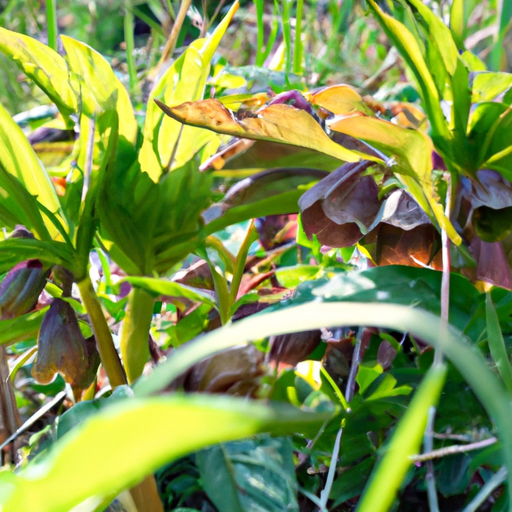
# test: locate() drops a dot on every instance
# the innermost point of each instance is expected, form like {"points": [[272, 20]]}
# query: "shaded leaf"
{"points": [[340, 209], [262, 186], [251, 475]]}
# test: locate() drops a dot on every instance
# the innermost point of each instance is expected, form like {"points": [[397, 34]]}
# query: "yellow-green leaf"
{"points": [[130, 439], [19, 159], [99, 87], [411, 150], [185, 80], [43, 65]]}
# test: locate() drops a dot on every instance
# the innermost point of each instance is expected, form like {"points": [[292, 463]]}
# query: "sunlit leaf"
{"points": [[144, 435], [171, 289], [411, 150], [185, 80], [389, 473], [18, 158], [43, 65], [99, 88], [341, 100], [275, 123]]}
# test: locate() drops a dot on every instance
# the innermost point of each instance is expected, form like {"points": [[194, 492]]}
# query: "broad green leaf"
{"points": [[275, 123], [410, 149], [497, 344], [99, 88], [410, 51], [262, 186], [133, 438], [487, 86], [43, 65], [250, 475], [185, 80], [18, 158], [390, 472], [22, 328], [458, 22], [14, 250], [17, 206], [463, 354], [439, 36]]}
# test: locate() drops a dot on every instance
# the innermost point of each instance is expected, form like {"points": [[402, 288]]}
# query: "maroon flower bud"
{"points": [[21, 288], [62, 348]]}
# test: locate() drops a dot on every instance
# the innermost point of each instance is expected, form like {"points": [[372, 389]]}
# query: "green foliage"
{"points": [[175, 217]]}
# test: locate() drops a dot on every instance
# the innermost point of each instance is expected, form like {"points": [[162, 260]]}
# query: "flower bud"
{"points": [[21, 288], [62, 348]]}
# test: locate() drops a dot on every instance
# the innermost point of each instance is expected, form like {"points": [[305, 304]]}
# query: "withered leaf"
{"points": [[276, 123]]}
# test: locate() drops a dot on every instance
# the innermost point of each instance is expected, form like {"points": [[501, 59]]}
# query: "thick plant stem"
{"points": [[146, 497], [135, 333], [106, 348], [9, 415]]}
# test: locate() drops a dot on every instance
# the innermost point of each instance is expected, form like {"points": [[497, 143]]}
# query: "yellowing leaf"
{"points": [[43, 65], [275, 123], [341, 100], [185, 80]]}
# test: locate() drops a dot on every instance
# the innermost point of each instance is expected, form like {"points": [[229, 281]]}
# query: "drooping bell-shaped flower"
{"points": [[62, 348]]}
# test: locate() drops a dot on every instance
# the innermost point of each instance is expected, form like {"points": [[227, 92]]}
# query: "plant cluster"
{"points": [[250, 293]]}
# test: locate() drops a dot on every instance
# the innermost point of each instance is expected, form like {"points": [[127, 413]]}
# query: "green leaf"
{"points": [[44, 66], [439, 36], [487, 86], [99, 88], [14, 250], [133, 438], [464, 355], [17, 206], [410, 51], [255, 474], [19, 159], [387, 477], [185, 80], [22, 328], [170, 289], [497, 345]]}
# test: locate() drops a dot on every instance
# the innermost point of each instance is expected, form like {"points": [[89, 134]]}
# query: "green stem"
{"points": [[241, 258], [106, 348], [51, 24], [130, 46], [135, 332], [297, 50]]}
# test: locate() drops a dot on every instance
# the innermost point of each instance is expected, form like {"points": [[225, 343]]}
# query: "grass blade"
{"points": [[380, 492], [497, 344]]}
